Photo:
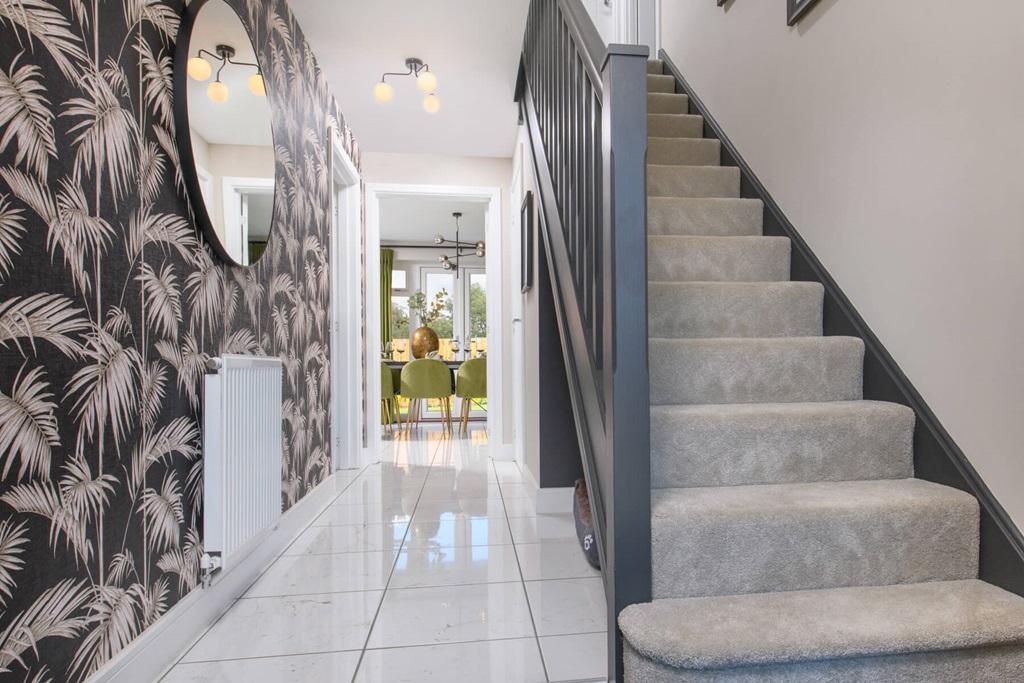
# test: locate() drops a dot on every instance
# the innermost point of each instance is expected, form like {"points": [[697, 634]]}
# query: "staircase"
{"points": [[790, 541]]}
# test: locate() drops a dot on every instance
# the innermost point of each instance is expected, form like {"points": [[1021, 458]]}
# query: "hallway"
{"points": [[432, 565]]}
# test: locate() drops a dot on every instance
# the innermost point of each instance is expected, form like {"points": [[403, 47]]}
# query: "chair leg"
{"points": [[448, 412]]}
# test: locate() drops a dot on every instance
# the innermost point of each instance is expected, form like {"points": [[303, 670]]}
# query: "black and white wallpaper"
{"points": [[110, 302]]}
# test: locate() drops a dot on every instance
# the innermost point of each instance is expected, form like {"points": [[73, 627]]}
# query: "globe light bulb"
{"points": [[256, 85], [198, 68], [431, 104], [218, 92], [426, 82], [383, 92], [438, 239]]}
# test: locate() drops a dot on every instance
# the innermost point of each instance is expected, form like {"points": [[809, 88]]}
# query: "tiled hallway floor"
{"points": [[432, 565]]}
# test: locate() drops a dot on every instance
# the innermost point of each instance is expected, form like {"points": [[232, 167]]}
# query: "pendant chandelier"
{"points": [[461, 248], [426, 81], [200, 70]]}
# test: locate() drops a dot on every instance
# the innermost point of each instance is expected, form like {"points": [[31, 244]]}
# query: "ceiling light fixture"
{"points": [[426, 82], [199, 69], [478, 248]]}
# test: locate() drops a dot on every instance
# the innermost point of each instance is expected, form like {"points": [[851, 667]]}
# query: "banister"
{"points": [[584, 106]]}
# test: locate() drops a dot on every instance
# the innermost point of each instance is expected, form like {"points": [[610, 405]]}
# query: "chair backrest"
{"points": [[387, 382], [471, 380], [426, 378]]}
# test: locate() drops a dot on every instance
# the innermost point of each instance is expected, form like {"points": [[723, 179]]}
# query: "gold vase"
{"points": [[424, 340]]}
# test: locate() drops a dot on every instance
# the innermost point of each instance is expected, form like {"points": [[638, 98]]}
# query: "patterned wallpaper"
{"points": [[110, 301]]}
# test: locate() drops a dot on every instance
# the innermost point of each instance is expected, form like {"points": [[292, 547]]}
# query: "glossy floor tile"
{"points": [[496, 661], [289, 625], [581, 657], [430, 565], [566, 606], [336, 573], [329, 667], [553, 560], [451, 614]]}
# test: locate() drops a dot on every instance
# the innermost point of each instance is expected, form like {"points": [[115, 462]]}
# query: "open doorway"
{"points": [[441, 246]]}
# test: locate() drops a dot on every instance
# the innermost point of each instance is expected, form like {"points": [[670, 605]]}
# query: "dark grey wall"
{"points": [[560, 463]]}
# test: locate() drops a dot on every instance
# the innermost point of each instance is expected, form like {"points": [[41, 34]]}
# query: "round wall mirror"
{"points": [[224, 131]]}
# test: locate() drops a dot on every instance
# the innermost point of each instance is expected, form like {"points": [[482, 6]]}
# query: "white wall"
{"points": [[891, 135], [434, 169]]}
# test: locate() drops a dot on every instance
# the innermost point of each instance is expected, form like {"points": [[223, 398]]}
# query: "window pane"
{"points": [[399, 324], [439, 288], [397, 279], [477, 314]]}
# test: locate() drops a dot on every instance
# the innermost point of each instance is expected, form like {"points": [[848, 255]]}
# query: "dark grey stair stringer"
{"points": [[790, 541]]}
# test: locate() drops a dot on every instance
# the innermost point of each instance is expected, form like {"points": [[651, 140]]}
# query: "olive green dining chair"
{"points": [[470, 385], [423, 379], [388, 404]]}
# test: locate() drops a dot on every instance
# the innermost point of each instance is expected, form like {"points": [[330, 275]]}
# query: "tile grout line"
{"points": [[384, 593], [522, 578], [234, 601]]}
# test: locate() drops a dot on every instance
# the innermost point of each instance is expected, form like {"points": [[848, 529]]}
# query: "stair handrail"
{"points": [[584, 106]]}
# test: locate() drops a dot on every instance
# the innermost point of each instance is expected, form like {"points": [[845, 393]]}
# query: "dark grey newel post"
{"points": [[627, 395]]}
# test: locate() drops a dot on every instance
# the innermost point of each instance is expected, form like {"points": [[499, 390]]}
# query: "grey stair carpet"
{"points": [[790, 541]]}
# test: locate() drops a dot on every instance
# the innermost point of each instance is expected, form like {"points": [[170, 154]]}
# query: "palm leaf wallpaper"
{"points": [[110, 304]]}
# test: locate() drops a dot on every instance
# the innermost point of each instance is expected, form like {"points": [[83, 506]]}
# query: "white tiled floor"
{"points": [[432, 565]]}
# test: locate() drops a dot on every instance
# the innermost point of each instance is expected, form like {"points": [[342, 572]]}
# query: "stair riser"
{"points": [[661, 83], [708, 550], [718, 259], [979, 665], [684, 151], [675, 126], [693, 181], [712, 217], [655, 66], [788, 370], [780, 444], [707, 310], [667, 103]]}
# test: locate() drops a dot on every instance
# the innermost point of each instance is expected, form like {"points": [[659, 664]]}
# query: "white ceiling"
{"points": [[416, 219], [472, 47], [245, 118]]}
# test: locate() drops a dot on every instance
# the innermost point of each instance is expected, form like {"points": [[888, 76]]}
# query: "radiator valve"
{"points": [[208, 566]]}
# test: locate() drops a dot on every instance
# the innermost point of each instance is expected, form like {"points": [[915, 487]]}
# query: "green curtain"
{"points": [[387, 262]]}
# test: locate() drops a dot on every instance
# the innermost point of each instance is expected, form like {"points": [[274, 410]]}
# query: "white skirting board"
{"points": [[157, 649], [550, 501]]}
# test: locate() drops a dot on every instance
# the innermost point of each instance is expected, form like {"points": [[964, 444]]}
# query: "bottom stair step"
{"points": [[940, 631]]}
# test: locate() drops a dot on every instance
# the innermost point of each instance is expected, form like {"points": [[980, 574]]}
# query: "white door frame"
{"points": [[495, 305], [236, 234], [346, 337]]}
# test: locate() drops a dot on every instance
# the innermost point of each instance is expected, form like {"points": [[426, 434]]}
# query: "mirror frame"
{"points": [[183, 131]]}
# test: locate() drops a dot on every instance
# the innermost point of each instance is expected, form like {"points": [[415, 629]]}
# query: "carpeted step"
{"points": [[685, 258], [693, 181], [668, 103], [727, 540], [684, 151], [655, 66], [780, 443], [675, 125], [704, 216], [734, 309], [780, 370], [919, 633], [661, 83]]}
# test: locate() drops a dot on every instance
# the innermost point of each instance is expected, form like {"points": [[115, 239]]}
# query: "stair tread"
{"points": [[704, 216], [703, 309], [756, 370], [803, 498], [775, 443], [712, 258], [816, 625]]}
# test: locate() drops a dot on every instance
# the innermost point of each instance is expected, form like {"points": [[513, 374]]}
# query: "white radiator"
{"points": [[242, 456]]}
